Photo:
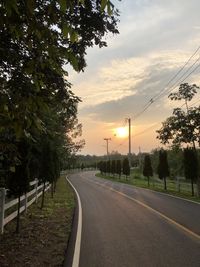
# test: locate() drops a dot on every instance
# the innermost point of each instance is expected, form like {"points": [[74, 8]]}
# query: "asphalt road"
{"points": [[125, 226]]}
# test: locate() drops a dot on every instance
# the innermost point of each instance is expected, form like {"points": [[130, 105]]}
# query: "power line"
{"points": [[177, 82], [171, 89], [165, 90], [153, 126], [147, 129]]}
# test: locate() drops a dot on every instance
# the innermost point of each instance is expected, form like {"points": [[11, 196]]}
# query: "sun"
{"points": [[122, 132]]}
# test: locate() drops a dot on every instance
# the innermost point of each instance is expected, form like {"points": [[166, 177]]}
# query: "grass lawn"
{"points": [[44, 234], [155, 184]]}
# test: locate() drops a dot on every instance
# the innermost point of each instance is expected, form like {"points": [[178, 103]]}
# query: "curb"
{"points": [[74, 242]]}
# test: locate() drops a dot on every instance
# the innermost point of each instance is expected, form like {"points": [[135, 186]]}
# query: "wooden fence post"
{"points": [[2, 208]]}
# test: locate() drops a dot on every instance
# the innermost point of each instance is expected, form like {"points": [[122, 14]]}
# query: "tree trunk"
{"points": [[148, 181], [52, 189], [192, 186], [18, 214], [165, 183], [43, 191]]}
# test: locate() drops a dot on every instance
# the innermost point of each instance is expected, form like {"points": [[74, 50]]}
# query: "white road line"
{"points": [[79, 230], [154, 191], [186, 230]]}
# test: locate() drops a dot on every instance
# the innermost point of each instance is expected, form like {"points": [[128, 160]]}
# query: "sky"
{"points": [[156, 39]]}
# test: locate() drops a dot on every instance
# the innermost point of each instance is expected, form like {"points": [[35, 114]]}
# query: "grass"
{"points": [[155, 184], [44, 234]]}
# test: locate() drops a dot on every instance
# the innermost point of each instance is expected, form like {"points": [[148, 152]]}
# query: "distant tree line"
{"points": [[115, 167]]}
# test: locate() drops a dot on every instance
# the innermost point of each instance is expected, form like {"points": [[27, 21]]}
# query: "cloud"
{"points": [[126, 86], [156, 38]]}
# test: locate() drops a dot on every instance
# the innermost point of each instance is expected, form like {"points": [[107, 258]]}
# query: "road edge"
{"points": [[162, 193], [182, 227], [76, 255]]}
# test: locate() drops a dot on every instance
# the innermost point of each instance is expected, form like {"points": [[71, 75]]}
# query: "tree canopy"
{"points": [[191, 166], [183, 127], [38, 40], [147, 168], [126, 167], [163, 167]]}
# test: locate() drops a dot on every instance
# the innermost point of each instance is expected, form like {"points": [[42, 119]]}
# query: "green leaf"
{"points": [[110, 8], [5, 107], [65, 29], [103, 4], [73, 61], [12, 168], [74, 36], [63, 5], [82, 2]]}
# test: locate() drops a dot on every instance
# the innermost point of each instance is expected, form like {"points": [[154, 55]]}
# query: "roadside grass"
{"points": [[155, 184], [44, 234]]}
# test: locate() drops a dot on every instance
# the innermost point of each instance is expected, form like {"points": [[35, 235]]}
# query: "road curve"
{"points": [[127, 226]]}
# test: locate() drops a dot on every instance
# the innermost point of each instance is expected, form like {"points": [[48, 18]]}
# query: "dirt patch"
{"points": [[44, 233]]}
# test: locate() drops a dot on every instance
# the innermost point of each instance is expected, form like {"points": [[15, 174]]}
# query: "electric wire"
{"points": [[167, 90]]}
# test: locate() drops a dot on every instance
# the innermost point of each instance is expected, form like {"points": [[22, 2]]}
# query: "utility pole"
{"points": [[129, 135], [107, 140], [129, 139]]}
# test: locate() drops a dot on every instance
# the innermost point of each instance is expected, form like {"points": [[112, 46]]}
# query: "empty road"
{"points": [[125, 226]]}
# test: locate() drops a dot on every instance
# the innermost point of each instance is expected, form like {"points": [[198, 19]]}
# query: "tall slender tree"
{"points": [[147, 168], [183, 127], [113, 167], [119, 167], [126, 167], [163, 167], [191, 166]]}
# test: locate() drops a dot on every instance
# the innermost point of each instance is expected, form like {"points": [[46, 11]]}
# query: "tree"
{"points": [[82, 166], [183, 127], [18, 180], [163, 168], [119, 167], [191, 166], [113, 167], [38, 39], [108, 167], [147, 168], [126, 167]]}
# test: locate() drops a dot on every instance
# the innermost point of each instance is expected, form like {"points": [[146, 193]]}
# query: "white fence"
{"points": [[26, 200]]}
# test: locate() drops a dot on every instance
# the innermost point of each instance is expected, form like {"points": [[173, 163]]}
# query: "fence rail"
{"points": [[25, 201]]}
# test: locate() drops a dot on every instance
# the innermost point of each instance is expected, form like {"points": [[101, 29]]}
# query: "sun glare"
{"points": [[122, 132]]}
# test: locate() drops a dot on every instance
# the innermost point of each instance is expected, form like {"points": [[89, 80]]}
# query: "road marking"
{"points": [[188, 231], [154, 191], [79, 230], [166, 194]]}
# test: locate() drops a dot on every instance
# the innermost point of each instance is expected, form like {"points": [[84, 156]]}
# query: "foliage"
{"points": [[113, 167], [147, 168], [108, 167], [118, 167], [182, 127], [191, 165], [38, 110], [163, 167], [126, 167], [38, 39]]}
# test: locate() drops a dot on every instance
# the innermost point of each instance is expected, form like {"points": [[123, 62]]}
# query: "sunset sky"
{"points": [[156, 39]]}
